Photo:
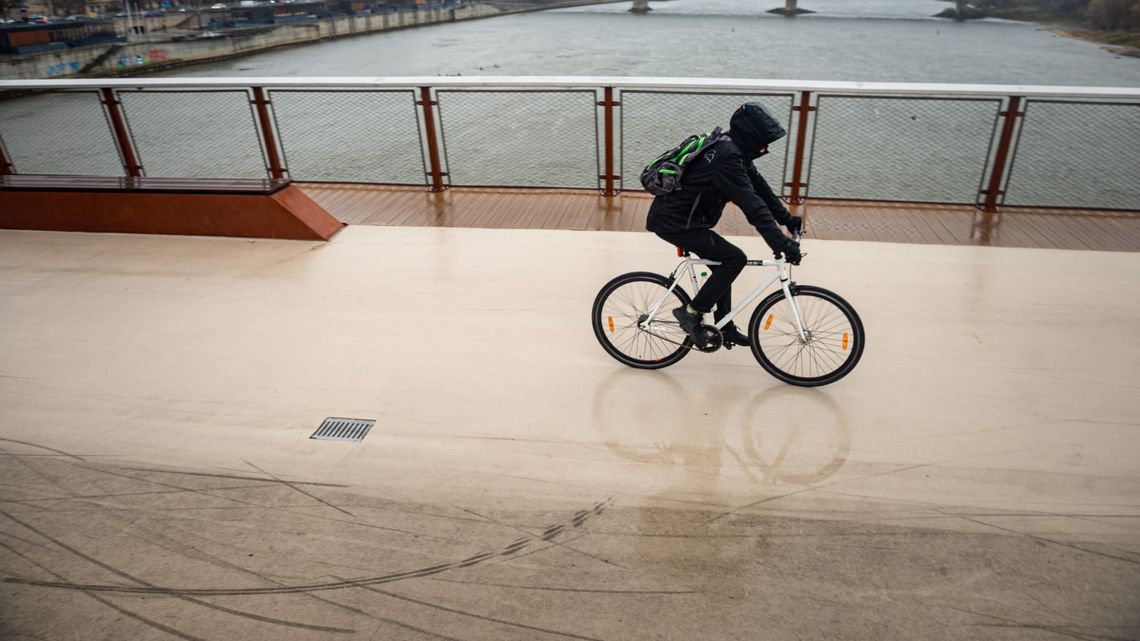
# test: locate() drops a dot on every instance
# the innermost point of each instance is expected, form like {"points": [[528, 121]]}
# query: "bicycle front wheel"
{"points": [[830, 348], [625, 330]]}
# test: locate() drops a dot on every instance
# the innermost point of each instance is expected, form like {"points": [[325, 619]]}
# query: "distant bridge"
{"points": [[789, 8]]}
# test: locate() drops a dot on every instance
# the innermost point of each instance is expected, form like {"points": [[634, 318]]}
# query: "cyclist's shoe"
{"points": [[691, 323], [732, 336]]}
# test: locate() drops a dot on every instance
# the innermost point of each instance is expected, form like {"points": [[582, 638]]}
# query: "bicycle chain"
{"points": [[719, 343]]}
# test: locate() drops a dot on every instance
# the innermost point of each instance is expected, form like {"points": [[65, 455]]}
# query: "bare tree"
{"points": [[1112, 14]]}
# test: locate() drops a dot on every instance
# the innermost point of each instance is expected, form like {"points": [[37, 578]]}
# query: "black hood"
{"points": [[753, 127]]}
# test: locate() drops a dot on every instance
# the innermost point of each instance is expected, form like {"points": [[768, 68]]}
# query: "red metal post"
{"points": [[6, 168], [608, 110], [267, 136], [801, 139], [122, 136], [994, 189], [437, 172]]}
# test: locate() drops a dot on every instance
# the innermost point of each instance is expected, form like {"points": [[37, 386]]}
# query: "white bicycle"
{"points": [[802, 335]]}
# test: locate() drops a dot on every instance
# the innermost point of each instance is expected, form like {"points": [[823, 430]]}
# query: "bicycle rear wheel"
{"points": [[834, 334], [622, 305]]}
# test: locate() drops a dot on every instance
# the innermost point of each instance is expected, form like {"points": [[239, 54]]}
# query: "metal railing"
{"points": [[1072, 147]]}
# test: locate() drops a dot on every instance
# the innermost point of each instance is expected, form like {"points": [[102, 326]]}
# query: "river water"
{"points": [[852, 40], [910, 149]]}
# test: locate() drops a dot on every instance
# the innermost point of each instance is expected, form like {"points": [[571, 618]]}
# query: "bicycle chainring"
{"points": [[714, 340]]}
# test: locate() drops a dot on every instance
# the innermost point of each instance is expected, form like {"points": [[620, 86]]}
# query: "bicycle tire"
{"points": [[616, 316], [835, 343]]}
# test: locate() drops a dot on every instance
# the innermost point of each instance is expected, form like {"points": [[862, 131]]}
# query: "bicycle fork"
{"points": [[785, 283]]}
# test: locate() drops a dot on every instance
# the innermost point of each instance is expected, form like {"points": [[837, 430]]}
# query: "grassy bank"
{"points": [[1110, 22]]}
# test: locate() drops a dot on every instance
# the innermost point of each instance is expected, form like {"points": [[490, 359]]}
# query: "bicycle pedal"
{"points": [[713, 339]]}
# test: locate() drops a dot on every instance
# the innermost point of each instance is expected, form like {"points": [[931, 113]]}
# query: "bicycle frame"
{"points": [[782, 274]]}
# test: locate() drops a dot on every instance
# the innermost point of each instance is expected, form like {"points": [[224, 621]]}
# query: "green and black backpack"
{"points": [[663, 175]]}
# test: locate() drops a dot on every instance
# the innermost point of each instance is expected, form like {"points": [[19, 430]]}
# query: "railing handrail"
{"points": [[590, 82]]}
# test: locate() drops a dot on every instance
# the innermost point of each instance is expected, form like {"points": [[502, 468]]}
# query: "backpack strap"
{"points": [[697, 146]]}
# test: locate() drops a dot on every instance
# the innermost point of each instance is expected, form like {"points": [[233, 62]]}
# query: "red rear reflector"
{"points": [[679, 253]]}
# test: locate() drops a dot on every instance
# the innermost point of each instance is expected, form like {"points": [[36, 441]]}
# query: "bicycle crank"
{"points": [[714, 340]]}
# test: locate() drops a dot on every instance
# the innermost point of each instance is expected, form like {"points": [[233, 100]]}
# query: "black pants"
{"points": [[707, 244]]}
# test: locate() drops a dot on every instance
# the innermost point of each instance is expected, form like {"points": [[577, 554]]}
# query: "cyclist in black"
{"points": [[685, 217]]}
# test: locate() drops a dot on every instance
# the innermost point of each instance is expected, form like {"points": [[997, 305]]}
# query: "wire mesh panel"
{"points": [[653, 122], [911, 149], [59, 133], [521, 138], [194, 134], [1072, 154], [350, 136]]}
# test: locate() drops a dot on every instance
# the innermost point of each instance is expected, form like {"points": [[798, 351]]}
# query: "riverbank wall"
{"points": [[124, 59]]}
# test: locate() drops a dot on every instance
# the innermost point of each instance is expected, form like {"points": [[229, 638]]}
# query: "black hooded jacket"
{"points": [[723, 174]]}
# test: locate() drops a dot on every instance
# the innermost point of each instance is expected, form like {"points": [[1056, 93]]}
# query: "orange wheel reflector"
{"points": [[611, 319], [844, 340], [768, 323]]}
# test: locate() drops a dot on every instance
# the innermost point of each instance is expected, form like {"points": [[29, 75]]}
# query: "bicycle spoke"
{"points": [[828, 332], [620, 318]]}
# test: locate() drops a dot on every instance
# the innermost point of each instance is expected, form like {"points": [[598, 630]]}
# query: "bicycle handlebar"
{"points": [[795, 237]]}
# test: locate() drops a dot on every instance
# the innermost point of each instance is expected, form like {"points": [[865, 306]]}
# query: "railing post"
{"points": [[1011, 114], [608, 105], [122, 136], [801, 139], [267, 136], [6, 168], [437, 172]]}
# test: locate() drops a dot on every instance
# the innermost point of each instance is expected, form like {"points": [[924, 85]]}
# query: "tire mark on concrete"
{"points": [[232, 476], [407, 626], [49, 479], [513, 624], [23, 540], [811, 489], [212, 606], [125, 612], [367, 525], [147, 588], [545, 588], [1064, 631], [42, 447], [551, 532], [169, 485], [1059, 630], [85, 497], [899, 470], [297, 489], [1053, 541], [188, 551]]}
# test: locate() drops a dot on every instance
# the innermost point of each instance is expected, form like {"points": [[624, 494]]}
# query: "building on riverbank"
{"points": [[239, 30]]}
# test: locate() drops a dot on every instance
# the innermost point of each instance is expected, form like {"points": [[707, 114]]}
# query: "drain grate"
{"points": [[343, 429]]}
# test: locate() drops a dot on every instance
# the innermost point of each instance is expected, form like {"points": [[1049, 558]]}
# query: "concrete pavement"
{"points": [[975, 477]]}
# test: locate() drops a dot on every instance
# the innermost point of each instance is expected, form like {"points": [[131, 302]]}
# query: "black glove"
{"points": [[791, 251], [795, 225]]}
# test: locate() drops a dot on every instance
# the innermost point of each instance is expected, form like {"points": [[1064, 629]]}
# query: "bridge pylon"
{"points": [[790, 8]]}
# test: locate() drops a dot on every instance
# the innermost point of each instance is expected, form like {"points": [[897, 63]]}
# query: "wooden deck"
{"points": [[521, 208]]}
